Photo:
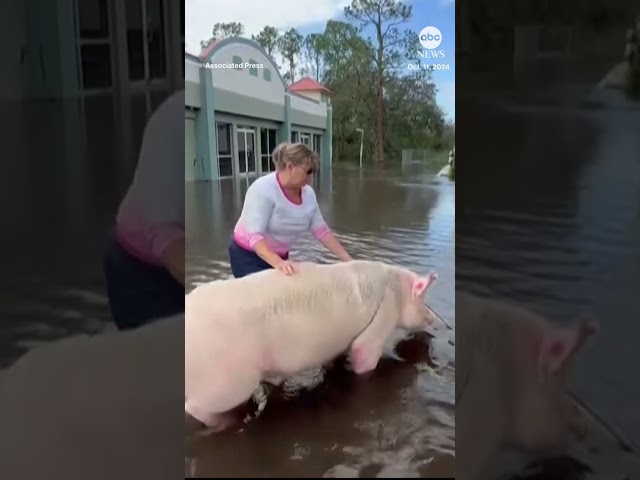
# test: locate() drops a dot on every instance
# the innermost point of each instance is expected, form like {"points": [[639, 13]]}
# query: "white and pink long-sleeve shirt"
{"points": [[269, 213], [151, 216]]}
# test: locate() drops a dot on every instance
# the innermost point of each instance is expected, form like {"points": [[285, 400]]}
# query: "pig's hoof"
{"points": [[216, 423]]}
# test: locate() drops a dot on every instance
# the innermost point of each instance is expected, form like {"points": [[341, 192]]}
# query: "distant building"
{"points": [[237, 109]]}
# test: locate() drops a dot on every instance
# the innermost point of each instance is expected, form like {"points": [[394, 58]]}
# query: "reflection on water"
{"points": [[400, 420], [553, 221]]}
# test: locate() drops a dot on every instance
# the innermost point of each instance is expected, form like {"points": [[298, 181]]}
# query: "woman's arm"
{"points": [[173, 258], [265, 253], [332, 244], [256, 212], [323, 233]]}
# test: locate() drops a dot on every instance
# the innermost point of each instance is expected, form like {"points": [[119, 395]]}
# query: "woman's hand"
{"points": [[287, 267], [273, 259]]}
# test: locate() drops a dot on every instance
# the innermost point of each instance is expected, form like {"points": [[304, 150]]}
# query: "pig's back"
{"points": [[312, 287], [315, 318]]}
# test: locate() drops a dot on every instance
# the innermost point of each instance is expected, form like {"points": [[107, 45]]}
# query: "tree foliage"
{"points": [[389, 48], [221, 30], [290, 45], [268, 39]]}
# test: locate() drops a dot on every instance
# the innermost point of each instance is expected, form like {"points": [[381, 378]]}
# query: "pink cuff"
{"points": [[163, 236], [253, 239], [320, 231]]}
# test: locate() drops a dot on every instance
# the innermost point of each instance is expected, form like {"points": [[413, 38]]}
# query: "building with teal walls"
{"points": [[238, 108]]}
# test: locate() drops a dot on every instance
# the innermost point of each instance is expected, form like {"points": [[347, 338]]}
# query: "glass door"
{"points": [[317, 139], [147, 49], [246, 151], [225, 149], [267, 145], [94, 39]]}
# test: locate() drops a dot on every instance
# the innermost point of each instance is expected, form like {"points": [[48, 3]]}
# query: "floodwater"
{"points": [[551, 218], [397, 421]]}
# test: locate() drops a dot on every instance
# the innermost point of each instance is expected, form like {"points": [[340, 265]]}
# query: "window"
{"points": [[253, 71], [305, 139], [96, 66], [95, 44], [238, 62], [267, 145], [294, 137], [157, 48], [94, 20], [266, 74], [224, 149], [135, 40], [317, 140]]}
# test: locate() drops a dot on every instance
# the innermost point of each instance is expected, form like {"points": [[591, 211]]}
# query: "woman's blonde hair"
{"points": [[295, 153]]}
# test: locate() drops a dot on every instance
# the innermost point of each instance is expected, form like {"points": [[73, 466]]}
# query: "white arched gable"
{"points": [[256, 77]]}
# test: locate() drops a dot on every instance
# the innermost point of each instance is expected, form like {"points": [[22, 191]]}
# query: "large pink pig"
{"points": [[268, 326], [511, 384]]}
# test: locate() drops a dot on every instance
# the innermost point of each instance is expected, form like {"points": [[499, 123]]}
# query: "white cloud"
{"points": [[201, 15]]}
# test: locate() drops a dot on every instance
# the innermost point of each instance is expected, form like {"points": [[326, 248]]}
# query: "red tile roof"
{"points": [[308, 84], [204, 53]]}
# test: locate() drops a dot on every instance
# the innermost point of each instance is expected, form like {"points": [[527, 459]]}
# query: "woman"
{"points": [[278, 208], [144, 264]]}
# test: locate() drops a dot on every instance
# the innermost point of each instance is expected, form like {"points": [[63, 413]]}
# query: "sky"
{"points": [[311, 17]]}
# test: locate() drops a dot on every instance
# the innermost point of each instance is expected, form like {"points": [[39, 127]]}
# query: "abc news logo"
{"points": [[430, 39]]}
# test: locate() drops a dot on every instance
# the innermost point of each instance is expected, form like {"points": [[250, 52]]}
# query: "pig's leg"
{"points": [[214, 422], [212, 399], [275, 381], [367, 348]]}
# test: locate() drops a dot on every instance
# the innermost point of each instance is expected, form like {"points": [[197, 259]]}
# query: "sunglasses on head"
{"points": [[309, 171]]}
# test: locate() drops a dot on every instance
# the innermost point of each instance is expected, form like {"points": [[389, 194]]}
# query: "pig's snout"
{"points": [[431, 318], [578, 424]]}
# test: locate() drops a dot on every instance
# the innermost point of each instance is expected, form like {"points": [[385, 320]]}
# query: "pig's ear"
{"points": [[421, 284], [558, 347]]}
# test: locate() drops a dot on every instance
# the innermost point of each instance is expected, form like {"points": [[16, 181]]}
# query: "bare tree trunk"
{"points": [[379, 136]]}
